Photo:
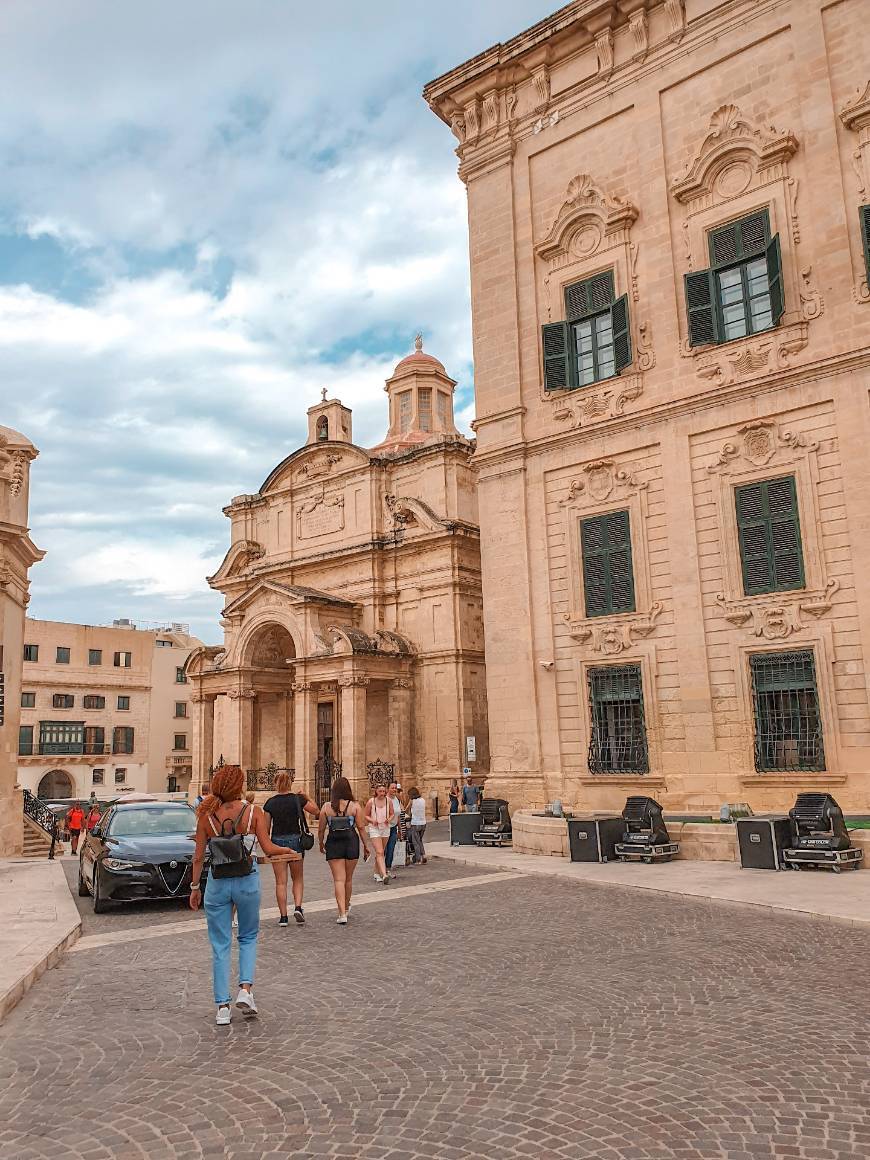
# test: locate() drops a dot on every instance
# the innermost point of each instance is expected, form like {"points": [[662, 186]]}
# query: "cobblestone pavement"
{"points": [[515, 1018]]}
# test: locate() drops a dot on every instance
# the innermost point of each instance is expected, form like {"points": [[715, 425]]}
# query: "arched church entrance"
{"points": [[269, 659], [57, 783]]}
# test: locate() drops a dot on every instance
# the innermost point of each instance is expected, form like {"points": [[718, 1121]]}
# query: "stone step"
{"points": [[35, 842]]}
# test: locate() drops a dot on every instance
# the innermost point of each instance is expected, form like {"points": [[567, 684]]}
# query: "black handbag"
{"points": [[306, 838], [230, 856]]}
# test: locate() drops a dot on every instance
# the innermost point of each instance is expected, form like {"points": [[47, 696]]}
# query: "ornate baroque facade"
{"points": [[670, 239], [353, 626], [17, 554]]}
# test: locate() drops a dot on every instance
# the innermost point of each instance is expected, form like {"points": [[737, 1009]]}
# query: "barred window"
{"points": [[618, 743], [788, 727]]}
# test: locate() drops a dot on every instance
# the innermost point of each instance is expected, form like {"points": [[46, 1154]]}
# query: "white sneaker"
{"points": [[377, 878], [245, 1003], [342, 920], [222, 1019]]}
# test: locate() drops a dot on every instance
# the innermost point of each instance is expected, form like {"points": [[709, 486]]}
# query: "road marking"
{"points": [[92, 942]]}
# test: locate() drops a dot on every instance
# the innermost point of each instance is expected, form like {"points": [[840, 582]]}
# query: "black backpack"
{"points": [[230, 856]]}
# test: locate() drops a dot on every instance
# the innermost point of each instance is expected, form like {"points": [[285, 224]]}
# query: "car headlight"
{"points": [[121, 864]]}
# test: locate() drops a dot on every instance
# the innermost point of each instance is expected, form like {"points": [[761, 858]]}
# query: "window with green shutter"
{"points": [[788, 727], [608, 577], [742, 291], [618, 738], [864, 211], [594, 341], [768, 528]]}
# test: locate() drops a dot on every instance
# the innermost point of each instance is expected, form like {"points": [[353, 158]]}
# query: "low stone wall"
{"points": [[699, 841]]}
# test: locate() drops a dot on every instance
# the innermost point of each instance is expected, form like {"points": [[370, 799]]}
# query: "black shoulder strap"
{"points": [[303, 823]]}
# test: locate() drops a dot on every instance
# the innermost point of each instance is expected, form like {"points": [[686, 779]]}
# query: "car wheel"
{"points": [[100, 904], [83, 886]]}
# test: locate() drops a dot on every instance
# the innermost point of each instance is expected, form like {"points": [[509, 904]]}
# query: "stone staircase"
{"points": [[36, 843]]}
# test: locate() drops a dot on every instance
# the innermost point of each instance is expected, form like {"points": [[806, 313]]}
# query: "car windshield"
{"points": [[178, 819]]}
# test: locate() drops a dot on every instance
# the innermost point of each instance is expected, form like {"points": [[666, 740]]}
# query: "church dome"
{"points": [[418, 360]]}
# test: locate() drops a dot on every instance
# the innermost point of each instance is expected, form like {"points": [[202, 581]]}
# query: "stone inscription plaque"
{"points": [[321, 516]]}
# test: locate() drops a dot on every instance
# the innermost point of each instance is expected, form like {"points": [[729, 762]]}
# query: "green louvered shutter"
{"points": [[864, 211], [768, 528], [774, 278], [557, 357], [701, 308], [608, 576], [591, 296], [739, 240], [785, 534], [621, 333]]}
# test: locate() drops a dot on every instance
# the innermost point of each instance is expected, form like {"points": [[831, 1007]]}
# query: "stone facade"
{"points": [[84, 686], [17, 554], [353, 622], [610, 143]]}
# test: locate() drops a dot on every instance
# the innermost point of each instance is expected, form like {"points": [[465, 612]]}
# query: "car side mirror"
{"points": [[97, 831]]}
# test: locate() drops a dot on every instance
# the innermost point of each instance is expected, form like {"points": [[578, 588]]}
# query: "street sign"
{"points": [[470, 749], [466, 771]]}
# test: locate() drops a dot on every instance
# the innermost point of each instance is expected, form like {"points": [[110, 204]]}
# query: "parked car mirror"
{"points": [[97, 831]]}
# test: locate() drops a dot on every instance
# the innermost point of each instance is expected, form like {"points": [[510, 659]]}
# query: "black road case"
{"points": [[594, 839], [762, 840], [463, 828]]}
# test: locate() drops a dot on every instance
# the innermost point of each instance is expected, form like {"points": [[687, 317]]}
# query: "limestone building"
{"points": [[353, 628], [104, 710], [670, 239], [17, 554]]}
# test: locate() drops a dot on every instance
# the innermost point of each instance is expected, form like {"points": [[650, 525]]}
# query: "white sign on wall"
{"points": [[471, 749]]}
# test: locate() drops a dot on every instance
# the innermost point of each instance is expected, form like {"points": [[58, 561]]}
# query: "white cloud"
{"points": [[248, 202]]}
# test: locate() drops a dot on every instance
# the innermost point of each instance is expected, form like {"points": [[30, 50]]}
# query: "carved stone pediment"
{"points": [[241, 555], [587, 215], [611, 636], [598, 481], [733, 155], [758, 443]]}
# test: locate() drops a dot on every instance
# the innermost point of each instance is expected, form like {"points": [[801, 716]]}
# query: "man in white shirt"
{"points": [[390, 849]]}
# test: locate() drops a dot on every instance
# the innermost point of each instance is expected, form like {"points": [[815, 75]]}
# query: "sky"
{"points": [[210, 209]]}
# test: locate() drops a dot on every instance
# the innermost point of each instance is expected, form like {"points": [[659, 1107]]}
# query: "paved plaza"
{"points": [[462, 1013]]}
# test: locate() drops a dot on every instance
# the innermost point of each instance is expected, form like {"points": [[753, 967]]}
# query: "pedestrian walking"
{"points": [[418, 824], [287, 811], [392, 841], [93, 818], [225, 825], [470, 796], [379, 815], [340, 833], [453, 794], [75, 823]]}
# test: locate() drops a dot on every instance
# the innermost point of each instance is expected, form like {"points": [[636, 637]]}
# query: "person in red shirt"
{"points": [[93, 817], [75, 821]]}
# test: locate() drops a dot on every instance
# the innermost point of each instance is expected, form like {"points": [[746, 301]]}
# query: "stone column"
{"points": [[400, 700], [353, 731], [304, 735], [242, 725], [203, 740]]}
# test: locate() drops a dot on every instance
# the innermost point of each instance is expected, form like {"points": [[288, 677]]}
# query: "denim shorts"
{"points": [[290, 842]]}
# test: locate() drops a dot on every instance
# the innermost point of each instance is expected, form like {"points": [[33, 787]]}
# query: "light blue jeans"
{"points": [[221, 894]]}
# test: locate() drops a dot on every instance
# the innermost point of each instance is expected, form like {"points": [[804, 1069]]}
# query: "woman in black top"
{"points": [[286, 811], [341, 831]]}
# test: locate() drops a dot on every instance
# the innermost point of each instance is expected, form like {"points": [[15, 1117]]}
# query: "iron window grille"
{"points": [[788, 727], [742, 291], [865, 237], [594, 341], [618, 743]]}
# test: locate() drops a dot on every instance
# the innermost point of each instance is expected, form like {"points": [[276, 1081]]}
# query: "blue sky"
{"points": [[211, 209]]}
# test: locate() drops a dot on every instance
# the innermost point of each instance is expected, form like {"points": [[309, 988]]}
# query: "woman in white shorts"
{"points": [[379, 817]]}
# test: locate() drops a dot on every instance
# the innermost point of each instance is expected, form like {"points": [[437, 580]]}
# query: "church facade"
{"points": [[669, 216], [353, 634]]}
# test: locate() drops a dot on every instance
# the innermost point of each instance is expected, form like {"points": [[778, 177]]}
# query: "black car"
{"points": [[139, 850]]}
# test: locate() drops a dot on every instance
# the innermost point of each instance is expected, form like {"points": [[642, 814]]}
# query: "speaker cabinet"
{"points": [[463, 827], [762, 840], [594, 839]]}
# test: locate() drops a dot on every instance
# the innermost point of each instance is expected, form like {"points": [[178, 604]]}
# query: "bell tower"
{"points": [[329, 421]]}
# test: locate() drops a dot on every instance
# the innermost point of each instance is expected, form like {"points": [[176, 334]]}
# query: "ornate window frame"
{"points": [[855, 116], [738, 169], [822, 645], [763, 449], [591, 233], [604, 486]]}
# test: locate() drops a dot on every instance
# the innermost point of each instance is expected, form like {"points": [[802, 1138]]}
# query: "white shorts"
{"points": [[378, 831]]}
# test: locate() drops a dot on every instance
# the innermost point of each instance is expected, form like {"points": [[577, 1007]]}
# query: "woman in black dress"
{"points": [[286, 811], [341, 830]]}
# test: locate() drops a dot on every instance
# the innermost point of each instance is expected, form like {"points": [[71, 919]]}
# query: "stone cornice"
{"points": [[673, 409]]}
